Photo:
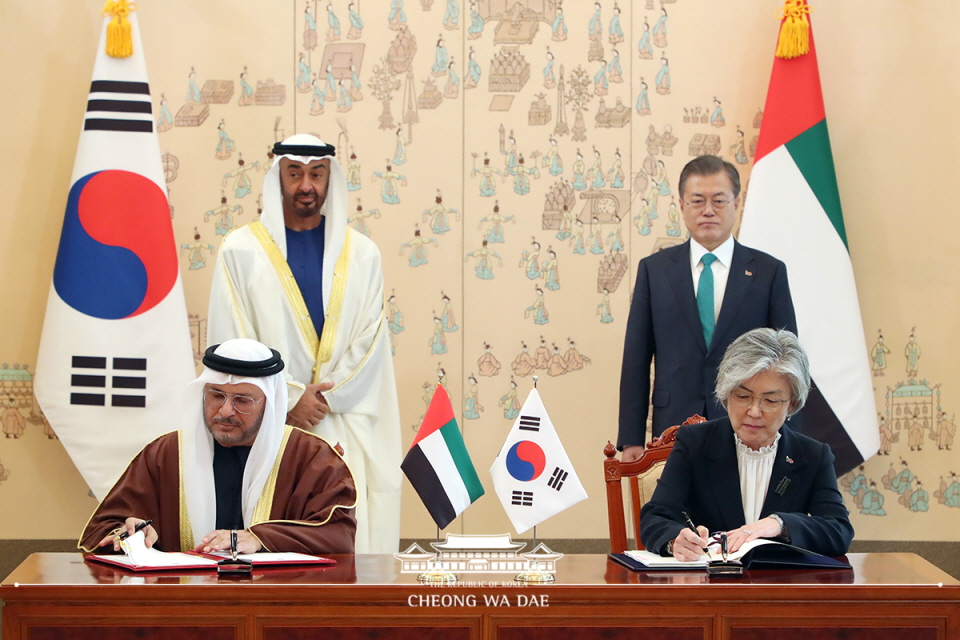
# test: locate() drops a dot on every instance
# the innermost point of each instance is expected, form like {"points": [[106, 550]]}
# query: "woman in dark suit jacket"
{"points": [[744, 474]]}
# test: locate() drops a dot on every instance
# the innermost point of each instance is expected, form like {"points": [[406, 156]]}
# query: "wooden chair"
{"points": [[642, 475]]}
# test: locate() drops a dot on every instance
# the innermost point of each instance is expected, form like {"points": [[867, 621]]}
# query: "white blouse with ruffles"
{"points": [[755, 469]]}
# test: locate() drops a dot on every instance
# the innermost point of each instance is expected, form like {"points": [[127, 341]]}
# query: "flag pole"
{"points": [[534, 575], [436, 575]]}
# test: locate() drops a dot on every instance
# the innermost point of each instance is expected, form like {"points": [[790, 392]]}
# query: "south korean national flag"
{"points": [[533, 475], [115, 356]]}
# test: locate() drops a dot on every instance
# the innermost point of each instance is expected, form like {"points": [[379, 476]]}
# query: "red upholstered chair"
{"points": [[642, 475]]}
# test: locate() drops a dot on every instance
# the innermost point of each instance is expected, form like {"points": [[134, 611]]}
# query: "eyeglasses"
{"points": [[241, 403], [745, 401], [699, 204]]}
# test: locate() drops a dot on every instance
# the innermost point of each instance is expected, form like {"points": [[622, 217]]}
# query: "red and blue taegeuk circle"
{"points": [[525, 461], [117, 255]]}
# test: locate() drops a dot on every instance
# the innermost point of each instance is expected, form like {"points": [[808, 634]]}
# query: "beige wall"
{"points": [[890, 80]]}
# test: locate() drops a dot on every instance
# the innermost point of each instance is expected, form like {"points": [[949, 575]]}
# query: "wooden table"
{"points": [[884, 597]]}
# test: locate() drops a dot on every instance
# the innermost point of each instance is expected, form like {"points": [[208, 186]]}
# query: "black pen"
{"points": [[693, 528], [140, 527]]}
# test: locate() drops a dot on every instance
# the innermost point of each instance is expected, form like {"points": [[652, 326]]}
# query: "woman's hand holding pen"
{"points": [[130, 527], [689, 546]]}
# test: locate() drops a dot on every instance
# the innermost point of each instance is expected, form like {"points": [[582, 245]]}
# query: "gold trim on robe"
{"points": [[186, 532], [322, 347], [261, 514]]}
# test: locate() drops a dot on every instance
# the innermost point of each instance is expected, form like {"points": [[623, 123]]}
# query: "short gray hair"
{"points": [[762, 350]]}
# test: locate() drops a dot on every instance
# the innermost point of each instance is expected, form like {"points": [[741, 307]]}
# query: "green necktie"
{"points": [[705, 298]]}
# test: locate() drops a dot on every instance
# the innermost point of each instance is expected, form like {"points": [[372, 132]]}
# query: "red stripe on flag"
{"points": [[794, 101], [439, 413]]}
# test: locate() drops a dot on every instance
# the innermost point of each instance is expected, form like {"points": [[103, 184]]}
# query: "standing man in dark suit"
{"points": [[690, 303]]}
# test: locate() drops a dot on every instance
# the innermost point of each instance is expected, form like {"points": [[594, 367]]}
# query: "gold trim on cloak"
{"points": [[322, 347], [261, 514], [262, 511], [186, 531]]}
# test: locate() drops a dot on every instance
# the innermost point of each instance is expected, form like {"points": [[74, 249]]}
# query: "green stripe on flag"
{"points": [[811, 151], [458, 451]]}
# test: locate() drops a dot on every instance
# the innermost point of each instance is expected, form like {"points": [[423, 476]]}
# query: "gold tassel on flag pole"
{"points": [[119, 31], [794, 38]]}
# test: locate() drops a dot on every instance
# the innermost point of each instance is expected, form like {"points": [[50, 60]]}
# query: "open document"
{"points": [[138, 557], [756, 554]]}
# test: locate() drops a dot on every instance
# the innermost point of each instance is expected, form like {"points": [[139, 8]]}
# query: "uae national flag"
{"points": [[792, 211], [438, 465], [533, 476], [115, 354]]}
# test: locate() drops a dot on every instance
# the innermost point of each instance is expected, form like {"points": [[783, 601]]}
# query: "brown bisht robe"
{"points": [[312, 510]]}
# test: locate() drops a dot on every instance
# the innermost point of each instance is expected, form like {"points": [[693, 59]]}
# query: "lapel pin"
{"points": [[748, 273], [789, 460]]}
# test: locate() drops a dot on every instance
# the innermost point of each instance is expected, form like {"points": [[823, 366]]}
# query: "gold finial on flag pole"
{"points": [[119, 31], [794, 40]]}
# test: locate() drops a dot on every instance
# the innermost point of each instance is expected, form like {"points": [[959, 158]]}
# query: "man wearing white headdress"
{"points": [[302, 281], [234, 466]]}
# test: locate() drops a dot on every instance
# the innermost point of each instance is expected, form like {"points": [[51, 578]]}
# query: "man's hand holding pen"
{"points": [[130, 527]]}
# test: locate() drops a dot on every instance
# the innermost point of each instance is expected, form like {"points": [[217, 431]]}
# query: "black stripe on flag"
{"points": [[87, 381], [424, 479], [557, 479], [818, 421], [119, 86], [129, 382], [106, 124], [88, 362], [130, 364], [123, 106], [530, 423], [522, 498], [128, 401], [90, 399]]}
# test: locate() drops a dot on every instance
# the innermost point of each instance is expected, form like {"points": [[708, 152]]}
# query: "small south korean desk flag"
{"points": [[533, 475], [115, 354]]}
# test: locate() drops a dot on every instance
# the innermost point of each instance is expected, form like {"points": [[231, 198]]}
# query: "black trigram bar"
{"points": [[119, 86], [91, 399], [530, 423], [522, 498], [120, 106], [108, 124], [88, 362], [128, 401], [130, 364], [87, 381], [129, 382], [557, 479]]}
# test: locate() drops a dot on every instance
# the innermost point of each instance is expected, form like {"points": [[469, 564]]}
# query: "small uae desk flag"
{"points": [[793, 212], [438, 465], [115, 354], [533, 476]]}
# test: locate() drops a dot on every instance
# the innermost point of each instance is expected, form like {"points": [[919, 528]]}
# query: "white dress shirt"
{"points": [[720, 268]]}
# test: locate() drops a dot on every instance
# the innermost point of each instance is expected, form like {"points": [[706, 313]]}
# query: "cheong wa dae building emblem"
{"points": [[478, 554]]}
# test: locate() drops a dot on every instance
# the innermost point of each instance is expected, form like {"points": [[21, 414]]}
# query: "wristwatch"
{"points": [[670, 548], [784, 534]]}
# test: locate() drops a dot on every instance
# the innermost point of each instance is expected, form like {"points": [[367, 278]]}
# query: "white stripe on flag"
{"points": [[822, 286], [435, 449]]}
